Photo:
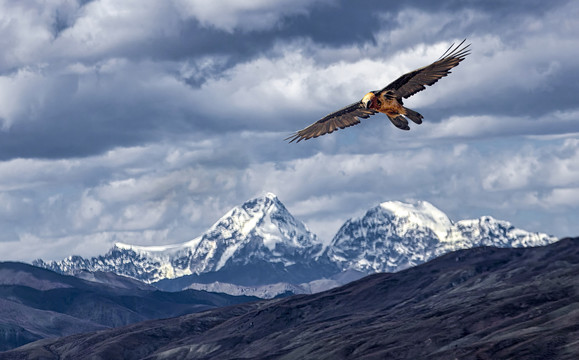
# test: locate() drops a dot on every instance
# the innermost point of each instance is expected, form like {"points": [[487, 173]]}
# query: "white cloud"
{"points": [[565, 197], [90, 208], [162, 191], [64, 30], [170, 153], [513, 173], [20, 97], [251, 15]]}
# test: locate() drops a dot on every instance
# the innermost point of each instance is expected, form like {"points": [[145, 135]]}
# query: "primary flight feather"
{"points": [[389, 99]]}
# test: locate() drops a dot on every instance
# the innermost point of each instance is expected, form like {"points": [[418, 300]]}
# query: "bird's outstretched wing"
{"points": [[415, 81], [403, 87], [348, 116]]}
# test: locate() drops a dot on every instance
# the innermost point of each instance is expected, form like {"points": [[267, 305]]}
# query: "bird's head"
{"points": [[369, 100]]}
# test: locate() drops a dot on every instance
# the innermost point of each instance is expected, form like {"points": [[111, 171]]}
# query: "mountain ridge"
{"points": [[261, 243], [483, 303], [260, 234], [37, 303], [394, 235]]}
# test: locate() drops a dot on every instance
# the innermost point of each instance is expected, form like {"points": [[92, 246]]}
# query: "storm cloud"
{"points": [[145, 121]]}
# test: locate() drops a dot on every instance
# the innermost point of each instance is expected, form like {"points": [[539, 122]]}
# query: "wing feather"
{"points": [[403, 87], [415, 81], [347, 116]]}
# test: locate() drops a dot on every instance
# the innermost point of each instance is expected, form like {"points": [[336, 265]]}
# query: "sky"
{"points": [[143, 122]]}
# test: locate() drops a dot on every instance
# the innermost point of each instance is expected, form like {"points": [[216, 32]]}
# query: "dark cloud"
{"points": [[144, 124], [125, 107]]}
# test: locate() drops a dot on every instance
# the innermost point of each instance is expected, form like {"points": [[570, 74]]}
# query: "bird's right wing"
{"points": [[348, 116], [415, 81]]}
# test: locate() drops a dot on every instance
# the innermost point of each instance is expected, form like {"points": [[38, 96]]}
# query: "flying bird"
{"points": [[389, 99]]}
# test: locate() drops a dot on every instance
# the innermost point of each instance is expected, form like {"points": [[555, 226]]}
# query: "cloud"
{"points": [[489, 126], [174, 199], [562, 197], [121, 74], [230, 15], [144, 122]]}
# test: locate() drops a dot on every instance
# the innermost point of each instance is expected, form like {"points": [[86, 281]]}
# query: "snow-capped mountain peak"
{"points": [[263, 215], [261, 230], [259, 242], [422, 214], [397, 235], [262, 224]]}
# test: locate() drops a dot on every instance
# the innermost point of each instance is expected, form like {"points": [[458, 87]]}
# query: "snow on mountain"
{"points": [[420, 213], [113, 280], [259, 231], [260, 249], [270, 291], [395, 235]]}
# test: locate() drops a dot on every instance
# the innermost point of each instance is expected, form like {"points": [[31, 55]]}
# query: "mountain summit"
{"points": [[261, 243], [260, 237], [394, 235]]}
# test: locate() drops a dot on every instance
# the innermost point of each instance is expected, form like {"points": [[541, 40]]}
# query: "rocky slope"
{"points": [[483, 303], [37, 303]]}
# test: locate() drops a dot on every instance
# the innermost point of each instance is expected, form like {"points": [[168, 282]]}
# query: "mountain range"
{"points": [[260, 248], [481, 303]]}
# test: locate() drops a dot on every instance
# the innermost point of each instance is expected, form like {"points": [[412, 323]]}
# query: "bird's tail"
{"points": [[413, 115], [399, 121]]}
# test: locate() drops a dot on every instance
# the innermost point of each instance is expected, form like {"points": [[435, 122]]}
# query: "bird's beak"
{"points": [[366, 104]]}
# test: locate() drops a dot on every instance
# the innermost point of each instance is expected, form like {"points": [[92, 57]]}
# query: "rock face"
{"points": [[260, 243], [483, 303]]}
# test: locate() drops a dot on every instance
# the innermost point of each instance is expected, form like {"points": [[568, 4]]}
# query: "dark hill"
{"points": [[483, 303], [36, 303]]}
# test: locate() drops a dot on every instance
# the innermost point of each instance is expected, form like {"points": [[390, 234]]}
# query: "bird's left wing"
{"points": [[415, 81], [348, 116]]}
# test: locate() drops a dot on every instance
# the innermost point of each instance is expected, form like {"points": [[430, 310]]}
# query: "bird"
{"points": [[389, 99]]}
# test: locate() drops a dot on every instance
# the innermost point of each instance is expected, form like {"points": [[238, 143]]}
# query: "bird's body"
{"points": [[383, 102], [388, 100], [387, 103]]}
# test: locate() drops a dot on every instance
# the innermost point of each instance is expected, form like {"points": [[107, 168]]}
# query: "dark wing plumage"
{"points": [[415, 81], [348, 116]]}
